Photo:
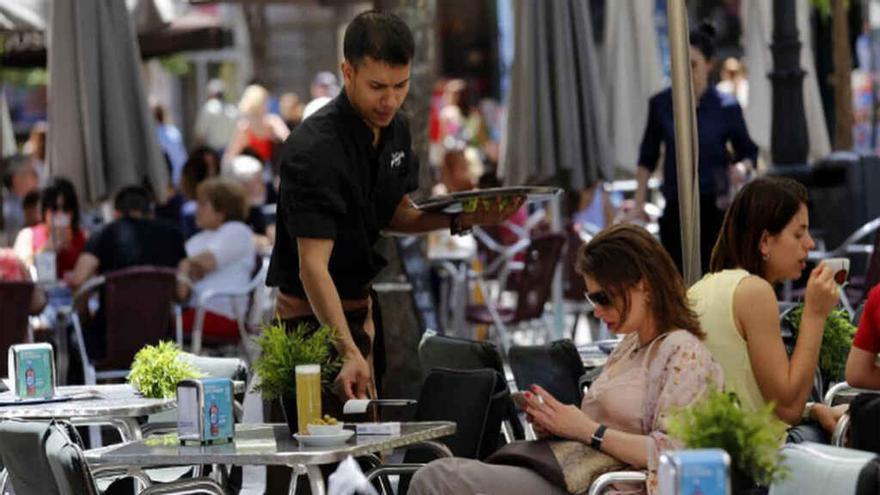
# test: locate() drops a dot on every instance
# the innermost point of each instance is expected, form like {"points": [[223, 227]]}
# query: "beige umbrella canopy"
{"points": [[102, 135], [686, 140]]}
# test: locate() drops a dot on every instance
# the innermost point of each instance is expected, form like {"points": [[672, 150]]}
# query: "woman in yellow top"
{"points": [[764, 240]]}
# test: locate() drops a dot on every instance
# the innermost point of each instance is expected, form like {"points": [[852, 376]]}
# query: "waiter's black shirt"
{"points": [[336, 185]]}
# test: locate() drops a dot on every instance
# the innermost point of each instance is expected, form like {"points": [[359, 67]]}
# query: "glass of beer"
{"points": [[308, 395]]}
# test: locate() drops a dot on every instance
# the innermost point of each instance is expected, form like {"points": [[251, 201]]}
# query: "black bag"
{"points": [[869, 479], [864, 429]]}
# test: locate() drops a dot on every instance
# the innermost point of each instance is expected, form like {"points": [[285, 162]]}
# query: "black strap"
{"points": [[596, 440]]}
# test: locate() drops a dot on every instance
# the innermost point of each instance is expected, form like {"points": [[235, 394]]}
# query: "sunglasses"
{"points": [[598, 298]]}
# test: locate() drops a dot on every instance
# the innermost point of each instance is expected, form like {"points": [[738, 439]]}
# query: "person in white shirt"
{"points": [[221, 256], [217, 119]]}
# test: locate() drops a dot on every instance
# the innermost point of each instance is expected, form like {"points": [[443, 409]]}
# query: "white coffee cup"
{"points": [[839, 267]]}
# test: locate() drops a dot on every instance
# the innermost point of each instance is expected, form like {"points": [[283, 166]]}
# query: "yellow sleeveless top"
{"points": [[712, 299]]}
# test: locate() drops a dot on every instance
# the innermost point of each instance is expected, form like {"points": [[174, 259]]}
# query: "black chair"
{"points": [[468, 398], [557, 367], [440, 351]]}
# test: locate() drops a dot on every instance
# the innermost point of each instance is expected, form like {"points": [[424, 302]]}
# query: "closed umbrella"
{"points": [[14, 16], [556, 113], [686, 140], [632, 74], [757, 35], [101, 134]]}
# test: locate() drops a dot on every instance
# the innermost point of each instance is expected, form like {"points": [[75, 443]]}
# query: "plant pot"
{"points": [[742, 484], [288, 406]]}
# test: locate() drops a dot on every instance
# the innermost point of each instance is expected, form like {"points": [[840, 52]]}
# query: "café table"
{"points": [[267, 444], [119, 406]]}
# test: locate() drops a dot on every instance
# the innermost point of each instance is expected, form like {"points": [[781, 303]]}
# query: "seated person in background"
{"points": [[221, 256], [19, 180], [764, 240], [248, 171], [133, 238], [861, 365], [460, 171], [13, 270], [59, 229], [31, 207], [202, 163], [659, 366]]}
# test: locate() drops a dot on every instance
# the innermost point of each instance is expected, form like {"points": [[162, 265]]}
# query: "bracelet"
{"points": [[455, 225], [808, 411], [598, 436]]}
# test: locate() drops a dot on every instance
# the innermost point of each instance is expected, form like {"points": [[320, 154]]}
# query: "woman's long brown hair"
{"points": [[620, 256]]}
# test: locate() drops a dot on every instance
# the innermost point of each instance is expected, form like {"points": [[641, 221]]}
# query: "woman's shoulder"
{"points": [[235, 228]]}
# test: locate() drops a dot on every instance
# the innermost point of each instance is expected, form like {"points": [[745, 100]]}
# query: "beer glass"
{"points": [[308, 395]]}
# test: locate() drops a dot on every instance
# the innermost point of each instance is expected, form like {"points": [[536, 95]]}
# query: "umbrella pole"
{"points": [[685, 140]]}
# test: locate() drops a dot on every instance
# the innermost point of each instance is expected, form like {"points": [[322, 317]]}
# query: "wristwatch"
{"points": [[598, 436], [455, 225]]}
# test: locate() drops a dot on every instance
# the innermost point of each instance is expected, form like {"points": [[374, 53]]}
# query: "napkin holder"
{"points": [[32, 370], [697, 471], [205, 411]]}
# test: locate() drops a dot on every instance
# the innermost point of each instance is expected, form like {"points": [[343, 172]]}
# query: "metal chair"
{"points": [[557, 367], [816, 468], [15, 302], [242, 314], [533, 290], [138, 306], [46, 458]]}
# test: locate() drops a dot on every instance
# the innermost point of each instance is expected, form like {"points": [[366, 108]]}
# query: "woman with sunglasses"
{"points": [[765, 240], [659, 366]]}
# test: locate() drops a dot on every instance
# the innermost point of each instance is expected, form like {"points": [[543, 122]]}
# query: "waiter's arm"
{"points": [[314, 259]]}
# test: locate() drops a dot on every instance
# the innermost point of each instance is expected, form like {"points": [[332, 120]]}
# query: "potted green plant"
{"points": [[837, 339], [156, 369], [281, 351], [751, 439]]}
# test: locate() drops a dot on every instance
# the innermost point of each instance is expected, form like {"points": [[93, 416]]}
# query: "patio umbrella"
{"points": [[757, 35], [102, 136], [632, 74], [17, 17], [686, 140], [556, 114]]}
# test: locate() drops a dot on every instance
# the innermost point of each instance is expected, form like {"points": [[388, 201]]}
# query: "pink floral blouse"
{"points": [[641, 385]]}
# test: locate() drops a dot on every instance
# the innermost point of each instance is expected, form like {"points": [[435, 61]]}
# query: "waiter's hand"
{"points": [[354, 379], [492, 215]]}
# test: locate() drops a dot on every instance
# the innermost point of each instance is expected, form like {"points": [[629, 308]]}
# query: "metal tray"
{"points": [[471, 200]]}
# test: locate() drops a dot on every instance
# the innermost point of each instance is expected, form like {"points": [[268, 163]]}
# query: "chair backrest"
{"points": [[440, 351], [573, 284], [418, 272], [137, 302], [15, 303], [536, 277], [816, 468], [465, 397], [45, 458], [557, 367]]}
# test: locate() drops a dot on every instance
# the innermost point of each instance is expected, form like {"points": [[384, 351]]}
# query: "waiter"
{"points": [[346, 172]]}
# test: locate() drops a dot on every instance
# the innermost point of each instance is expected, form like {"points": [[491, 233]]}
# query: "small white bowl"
{"points": [[325, 429]]}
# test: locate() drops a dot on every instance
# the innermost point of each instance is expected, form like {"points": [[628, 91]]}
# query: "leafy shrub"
{"points": [[156, 370], [751, 439], [837, 339], [283, 351]]}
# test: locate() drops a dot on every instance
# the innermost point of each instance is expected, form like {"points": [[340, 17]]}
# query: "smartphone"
{"points": [[519, 399]]}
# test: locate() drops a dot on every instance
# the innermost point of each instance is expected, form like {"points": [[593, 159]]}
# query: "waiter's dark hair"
{"points": [[766, 204], [703, 38], [382, 36]]}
